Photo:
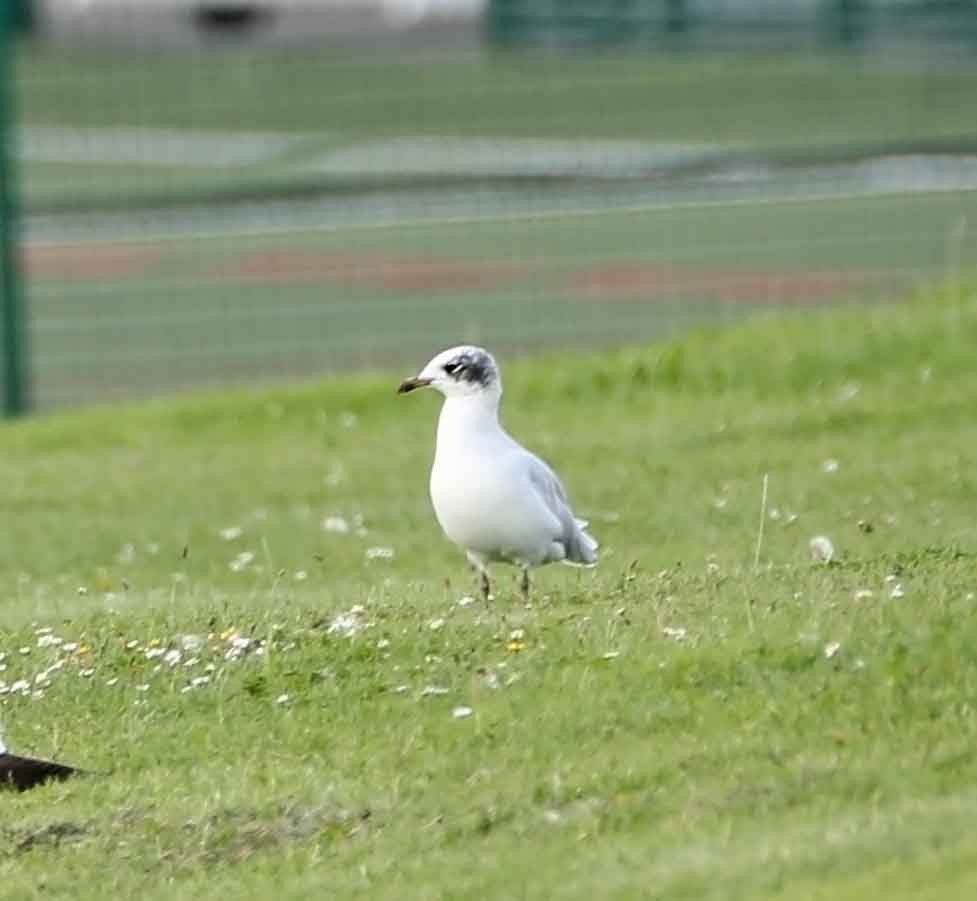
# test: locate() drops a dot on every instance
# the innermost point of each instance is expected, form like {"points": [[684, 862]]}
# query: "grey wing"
{"points": [[579, 547]]}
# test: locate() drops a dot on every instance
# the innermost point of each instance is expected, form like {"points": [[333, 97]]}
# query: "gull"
{"points": [[22, 773], [492, 497]]}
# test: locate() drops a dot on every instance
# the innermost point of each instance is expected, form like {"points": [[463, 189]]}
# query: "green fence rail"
{"points": [[688, 23]]}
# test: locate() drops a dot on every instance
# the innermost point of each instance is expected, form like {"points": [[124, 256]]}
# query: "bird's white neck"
{"points": [[464, 418]]}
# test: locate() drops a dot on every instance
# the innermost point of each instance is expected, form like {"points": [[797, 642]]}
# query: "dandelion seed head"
{"points": [[822, 549]]}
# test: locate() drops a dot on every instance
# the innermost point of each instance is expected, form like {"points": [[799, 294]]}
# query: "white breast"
{"points": [[485, 501]]}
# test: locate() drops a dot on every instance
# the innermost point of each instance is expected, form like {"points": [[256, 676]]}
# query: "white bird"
{"points": [[491, 496]]}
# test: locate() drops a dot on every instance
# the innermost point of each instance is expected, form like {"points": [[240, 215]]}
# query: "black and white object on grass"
{"points": [[22, 773], [492, 497]]}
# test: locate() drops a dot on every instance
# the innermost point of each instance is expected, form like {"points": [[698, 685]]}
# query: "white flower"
{"points": [[198, 681], [822, 550], [466, 601], [335, 524], [282, 699], [300, 575], [435, 624], [21, 685], [231, 533], [829, 466], [191, 642], [379, 553], [677, 633], [831, 648], [143, 687], [345, 624], [241, 561], [113, 681], [517, 635], [460, 713], [172, 658], [47, 641], [863, 594], [383, 644], [86, 673], [153, 653], [432, 690], [611, 655], [897, 591]]}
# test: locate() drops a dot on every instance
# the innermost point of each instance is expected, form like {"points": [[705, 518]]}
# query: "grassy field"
{"points": [[271, 700], [309, 227], [504, 95], [329, 101], [116, 319]]}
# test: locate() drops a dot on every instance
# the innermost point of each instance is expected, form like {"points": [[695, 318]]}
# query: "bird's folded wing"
{"points": [[578, 545]]}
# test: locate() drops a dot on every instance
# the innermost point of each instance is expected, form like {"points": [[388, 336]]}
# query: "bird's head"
{"points": [[458, 372]]}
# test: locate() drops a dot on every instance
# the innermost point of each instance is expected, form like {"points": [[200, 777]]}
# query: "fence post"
{"points": [[15, 354]]}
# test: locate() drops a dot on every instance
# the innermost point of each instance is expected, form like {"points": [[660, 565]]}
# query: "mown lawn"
{"points": [[272, 710]]}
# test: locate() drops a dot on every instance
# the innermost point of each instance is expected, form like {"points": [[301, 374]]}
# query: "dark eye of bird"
{"points": [[452, 368]]}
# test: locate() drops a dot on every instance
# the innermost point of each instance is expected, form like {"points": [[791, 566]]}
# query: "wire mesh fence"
{"points": [[218, 192]]}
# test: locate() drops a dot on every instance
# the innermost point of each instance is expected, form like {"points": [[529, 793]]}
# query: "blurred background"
{"points": [[198, 192]]}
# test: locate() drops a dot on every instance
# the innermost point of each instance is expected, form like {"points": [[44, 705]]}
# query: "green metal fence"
{"points": [[13, 20], [687, 24], [212, 210]]}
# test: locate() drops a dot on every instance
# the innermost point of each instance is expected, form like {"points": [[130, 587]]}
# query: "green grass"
{"points": [[188, 315], [778, 99], [738, 761], [807, 103]]}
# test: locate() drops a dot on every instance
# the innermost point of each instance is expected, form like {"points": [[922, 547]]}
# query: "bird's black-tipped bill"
{"points": [[23, 773], [408, 385]]}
